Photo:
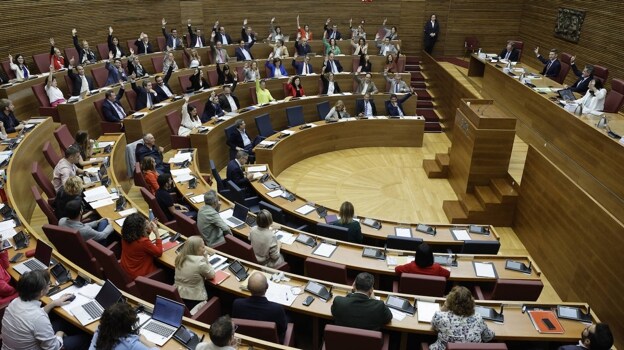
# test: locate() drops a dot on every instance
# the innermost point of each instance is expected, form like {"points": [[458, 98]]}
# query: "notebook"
{"points": [[238, 217], [93, 310], [41, 260], [165, 321], [545, 321]]}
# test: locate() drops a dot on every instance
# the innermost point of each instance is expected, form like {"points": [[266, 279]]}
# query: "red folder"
{"points": [[541, 320]]}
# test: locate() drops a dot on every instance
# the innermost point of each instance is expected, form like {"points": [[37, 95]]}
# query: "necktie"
{"points": [[25, 70], [333, 35], [334, 69], [305, 68], [396, 87], [367, 110], [548, 67], [507, 55], [120, 111], [221, 55], [199, 42]]}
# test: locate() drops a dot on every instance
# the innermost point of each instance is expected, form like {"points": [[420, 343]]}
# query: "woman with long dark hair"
{"points": [[117, 332]]}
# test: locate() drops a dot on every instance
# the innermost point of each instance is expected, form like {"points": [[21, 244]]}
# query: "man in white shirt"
{"points": [[27, 326], [243, 51], [332, 65], [365, 107], [81, 83], [229, 102], [66, 167], [385, 47]]}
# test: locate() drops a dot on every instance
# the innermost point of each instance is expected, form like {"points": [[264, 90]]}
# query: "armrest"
{"points": [[289, 340], [283, 267], [424, 346], [478, 292], [115, 247], [251, 201], [386, 342], [395, 286], [159, 275], [209, 312]]}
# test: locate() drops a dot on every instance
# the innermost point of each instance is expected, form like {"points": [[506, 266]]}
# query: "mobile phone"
{"points": [[16, 257], [548, 324], [308, 300], [71, 298]]}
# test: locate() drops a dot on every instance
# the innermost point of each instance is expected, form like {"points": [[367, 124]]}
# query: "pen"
{"points": [[286, 296]]}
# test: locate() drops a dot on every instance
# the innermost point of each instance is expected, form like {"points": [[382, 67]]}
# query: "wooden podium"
{"points": [[477, 163]]}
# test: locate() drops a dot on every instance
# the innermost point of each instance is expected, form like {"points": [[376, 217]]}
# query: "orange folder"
{"points": [[219, 277], [545, 321]]}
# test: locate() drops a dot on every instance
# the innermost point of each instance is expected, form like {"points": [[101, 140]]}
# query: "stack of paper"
{"points": [[280, 293], [178, 172], [285, 237], [96, 194], [403, 231], [181, 157], [253, 169], [275, 193], [484, 269], [305, 210], [127, 212], [267, 143], [288, 132], [426, 310], [324, 250], [197, 199]]}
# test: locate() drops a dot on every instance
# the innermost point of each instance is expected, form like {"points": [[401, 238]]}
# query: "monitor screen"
{"points": [[515, 265], [168, 311], [568, 312], [108, 295], [43, 252], [396, 302], [314, 288], [240, 212]]}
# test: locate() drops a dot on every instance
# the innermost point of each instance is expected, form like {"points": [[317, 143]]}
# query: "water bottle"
{"points": [[151, 215]]}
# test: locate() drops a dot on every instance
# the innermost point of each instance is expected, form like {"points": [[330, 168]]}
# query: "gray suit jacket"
{"points": [[88, 230], [402, 88], [211, 226], [371, 88]]}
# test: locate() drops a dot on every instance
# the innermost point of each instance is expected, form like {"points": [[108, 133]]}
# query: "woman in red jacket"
{"points": [[294, 87], [137, 251], [7, 292], [423, 264]]}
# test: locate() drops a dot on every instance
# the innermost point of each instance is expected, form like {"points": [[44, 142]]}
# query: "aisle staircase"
{"points": [[425, 105]]}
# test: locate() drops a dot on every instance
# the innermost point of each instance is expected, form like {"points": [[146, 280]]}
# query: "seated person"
{"points": [[197, 39], [71, 190], [423, 264], [235, 171], [243, 51], [198, 81], [81, 83], [227, 100], [394, 107], [303, 68], [55, 95], [7, 117], [113, 45], [279, 50], [250, 71], [258, 308], [148, 168], [85, 145], [346, 220], [137, 250], [391, 65], [331, 65], [212, 108], [162, 88], [457, 322], [330, 86], [192, 270], [19, 67], [265, 245], [365, 65], [190, 120], [171, 40], [331, 47], [366, 85], [552, 66], [262, 93], [365, 107], [360, 309], [165, 200], [112, 110], [584, 77], [7, 291], [85, 54], [294, 87], [99, 230], [397, 85], [143, 45], [135, 67], [222, 335], [146, 96], [193, 56], [28, 325], [210, 224], [595, 337], [66, 167], [149, 148], [116, 73], [510, 53], [56, 58], [118, 330], [337, 112], [302, 48], [385, 47], [226, 75], [169, 62], [594, 99], [239, 139], [275, 67]]}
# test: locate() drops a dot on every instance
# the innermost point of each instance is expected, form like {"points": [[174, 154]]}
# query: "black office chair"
{"points": [[263, 123], [481, 247], [323, 109], [280, 217], [403, 243], [332, 232], [228, 131], [240, 196], [221, 185], [294, 115]]}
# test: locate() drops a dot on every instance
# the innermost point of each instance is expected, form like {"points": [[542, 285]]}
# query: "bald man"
{"points": [[258, 308]]}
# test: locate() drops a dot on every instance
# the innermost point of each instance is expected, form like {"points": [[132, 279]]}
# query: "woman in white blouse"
{"points": [[337, 112], [192, 269], [594, 99], [190, 119], [265, 245], [55, 95], [20, 69], [279, 50], [361, 48], [276, 32], [249, 71]]}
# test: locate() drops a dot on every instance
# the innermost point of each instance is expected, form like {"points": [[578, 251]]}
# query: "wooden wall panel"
{"points": [[573, 239], [601, 34]]}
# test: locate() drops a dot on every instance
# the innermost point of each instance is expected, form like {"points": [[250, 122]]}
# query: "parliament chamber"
{"points": [[507, 174]]}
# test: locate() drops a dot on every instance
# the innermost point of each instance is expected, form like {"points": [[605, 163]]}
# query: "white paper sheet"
{"points": [[285, 237], [253, 169], [178, 172], [426, 310], [280, 293], [101, 203], [397, 315], [484, 270], [96, 193], [305, 210], [183, 178], [275, 193], [127, 212], [7, 224], [462, 235], [197, 199], [403, 232], [325, 250], [267, 143]]}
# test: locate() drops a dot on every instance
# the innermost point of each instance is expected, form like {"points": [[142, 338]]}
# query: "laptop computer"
{"points": [[41, 260], [239, 216], [93, 310], [165, 321], [566, 94]]}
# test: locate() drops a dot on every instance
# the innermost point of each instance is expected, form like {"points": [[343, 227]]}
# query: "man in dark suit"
{"points": [[172, 40], [143, 45], [227, 100], [302, 47], [332, 65], [332, 33], [112, 110], [81, 83], [197, 39], [582, 83], [258, 308], [595, 337], [247, 35], [220, 35], [85, 54], [162, 86], [241, 141], [149, 148], [243, 51], [234, 171], [360, 309], [302, 68], [552, 66], [146, 96], [394, 107], [116, 73], [7, 117], [212, 108], [432, 28], [510, 53], [365, 107]]}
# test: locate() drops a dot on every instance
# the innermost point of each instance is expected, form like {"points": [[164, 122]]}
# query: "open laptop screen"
{"points": [[240, 212], [43, 253], [168, 311], [108, 295]]}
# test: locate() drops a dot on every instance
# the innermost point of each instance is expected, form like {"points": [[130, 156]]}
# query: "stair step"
{"points": [[424, 104], [417, 76], [504, 190], [419, 84], [433, 127], [433, 170], [412, 60], [443, 159], [470, 203], [423, 95], [486, 196], [412, 67], [429, 114], [454, 212]]}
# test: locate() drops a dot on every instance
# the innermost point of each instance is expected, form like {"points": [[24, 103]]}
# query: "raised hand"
{"points": [[245, 21], [384, 21], [328, 21], [110, 30], [188, 21], [74, 32], [110, 55], [216, 24], [212, 35], [51, 69], [536, 50], [572, 59], [164, 23], [52, 41], [272, 19], [10, 58], [131, 51]]}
